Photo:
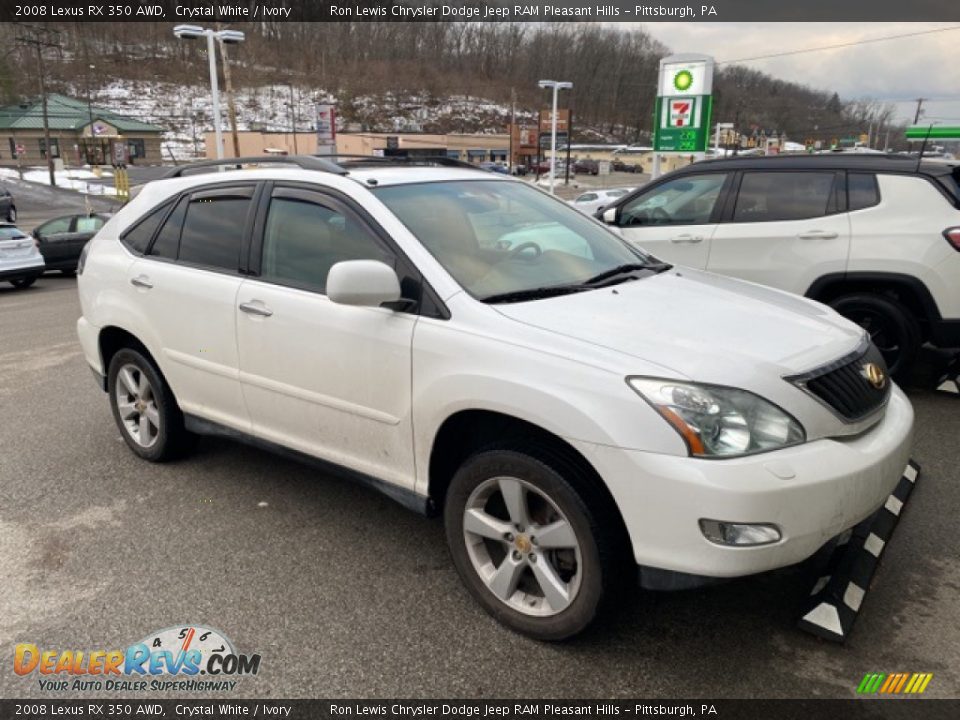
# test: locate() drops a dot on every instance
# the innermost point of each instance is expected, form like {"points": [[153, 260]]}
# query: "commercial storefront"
{"points": [[79, 134]]}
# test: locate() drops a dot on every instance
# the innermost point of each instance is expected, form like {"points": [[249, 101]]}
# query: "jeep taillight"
{"points": [[953, 237]]}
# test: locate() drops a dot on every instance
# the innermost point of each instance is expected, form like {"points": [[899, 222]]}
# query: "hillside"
{"points": [[391, 76]]}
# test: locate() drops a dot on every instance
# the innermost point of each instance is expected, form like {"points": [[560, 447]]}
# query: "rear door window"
{"points": [[214, 226], [862, 191], [772, 196]]}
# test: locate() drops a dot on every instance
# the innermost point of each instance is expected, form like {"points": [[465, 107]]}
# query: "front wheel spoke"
{"points": [[480, 523], [515, 498], [127, 410], [555, 591], [126, 377], [153, 415], [144, 428], [146, 392], [504, 581], [556, 535]]}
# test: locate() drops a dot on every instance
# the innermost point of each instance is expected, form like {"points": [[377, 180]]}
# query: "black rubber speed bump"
{"points": [[837, 596]]}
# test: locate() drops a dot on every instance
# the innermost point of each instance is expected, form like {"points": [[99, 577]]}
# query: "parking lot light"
{"points": [[228, 37], [556, 85]]}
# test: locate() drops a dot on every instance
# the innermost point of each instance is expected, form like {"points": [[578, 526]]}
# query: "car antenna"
{"points": [[923, 147]]}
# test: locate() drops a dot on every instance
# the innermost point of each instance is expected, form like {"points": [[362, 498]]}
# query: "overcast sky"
{"points": [[898, 71]]}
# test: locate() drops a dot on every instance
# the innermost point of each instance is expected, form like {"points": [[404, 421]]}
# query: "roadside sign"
{"points": [[21, 151], [603, 167], [326, 129], [935, 132], [563, 122], [684, 104], [545, 139]]}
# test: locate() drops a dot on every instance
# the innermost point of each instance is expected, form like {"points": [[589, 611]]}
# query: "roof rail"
{"points": [[307, 162], [441, 160]]}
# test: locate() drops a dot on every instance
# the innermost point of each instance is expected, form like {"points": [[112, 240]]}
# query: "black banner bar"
{"points": [[854, 709], [192, 11]]}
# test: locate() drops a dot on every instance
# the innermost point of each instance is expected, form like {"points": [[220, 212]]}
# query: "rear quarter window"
{"points": [[862, 191], [138, 237]]}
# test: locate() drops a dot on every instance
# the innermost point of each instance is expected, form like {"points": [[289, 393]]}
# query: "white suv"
{"points": [[573, 408], [876, 237]]}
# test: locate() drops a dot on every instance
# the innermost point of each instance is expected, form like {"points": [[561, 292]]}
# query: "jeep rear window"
{"points": [[862, 191]]}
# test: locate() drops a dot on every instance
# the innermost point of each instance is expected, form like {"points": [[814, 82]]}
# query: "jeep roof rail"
{"points": [[380, 160], [307, 162]]}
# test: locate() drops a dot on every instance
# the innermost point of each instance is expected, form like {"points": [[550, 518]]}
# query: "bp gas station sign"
{"points": [[684, 103]]}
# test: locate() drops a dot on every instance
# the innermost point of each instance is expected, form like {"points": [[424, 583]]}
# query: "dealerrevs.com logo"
{"points": [[183, 658]]}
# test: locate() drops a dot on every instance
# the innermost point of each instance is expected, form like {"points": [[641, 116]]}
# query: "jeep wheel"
{"points": [[891, 326], [144, 408], [526, 543]]}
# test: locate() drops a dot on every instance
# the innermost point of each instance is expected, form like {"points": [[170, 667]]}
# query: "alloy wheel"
{"points": [[522, 546], [137, 405]]}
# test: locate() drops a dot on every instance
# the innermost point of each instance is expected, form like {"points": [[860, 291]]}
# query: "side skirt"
{"points": [[408, 498]]}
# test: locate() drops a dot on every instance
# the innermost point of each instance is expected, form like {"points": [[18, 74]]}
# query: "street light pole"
{"points": [[192, 32], [556, 85]]}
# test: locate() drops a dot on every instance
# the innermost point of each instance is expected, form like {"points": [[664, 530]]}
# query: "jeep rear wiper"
{"points": [[625, 270], [533, 294]]}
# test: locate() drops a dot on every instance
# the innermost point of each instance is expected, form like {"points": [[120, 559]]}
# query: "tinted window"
{"points": [[862, 191], [139, 237], [11, 233], [587, 197], [768, 196], [213, 231], [302, 240], [687, 200], [168, 239], [60, 225]]}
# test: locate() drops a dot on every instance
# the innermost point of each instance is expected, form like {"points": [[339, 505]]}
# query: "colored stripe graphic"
{"points": [[894, 683]]}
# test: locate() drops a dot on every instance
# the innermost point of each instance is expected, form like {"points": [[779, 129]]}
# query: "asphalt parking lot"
{"points": [[345, 594]]}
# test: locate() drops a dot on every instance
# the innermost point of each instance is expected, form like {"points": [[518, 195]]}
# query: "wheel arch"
{"points": [[468, 431], [112, 339], [909, 291]]}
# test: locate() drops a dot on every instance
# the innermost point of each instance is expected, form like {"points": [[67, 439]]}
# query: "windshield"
{"points": [[498, 238]]}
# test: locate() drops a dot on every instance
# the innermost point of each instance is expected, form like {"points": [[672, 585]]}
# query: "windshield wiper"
{"points": [[625, 270], [533, 293]]}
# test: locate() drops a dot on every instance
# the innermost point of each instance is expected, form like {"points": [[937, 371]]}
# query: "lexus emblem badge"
{"points": [[875, 375]]}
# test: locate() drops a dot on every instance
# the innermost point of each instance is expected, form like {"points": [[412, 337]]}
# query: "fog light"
{"points": [[739, 534]]}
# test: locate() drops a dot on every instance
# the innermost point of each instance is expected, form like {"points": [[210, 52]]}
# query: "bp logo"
{"points": [[683, 80]]}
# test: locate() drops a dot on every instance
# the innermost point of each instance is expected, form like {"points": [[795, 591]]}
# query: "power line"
{"points": [[839, 45]]}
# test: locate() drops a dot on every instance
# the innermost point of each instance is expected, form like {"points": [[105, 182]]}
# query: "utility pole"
{"points": [[293, 120], [513, 125], [40, 38], [228, 88], [916, 117]]}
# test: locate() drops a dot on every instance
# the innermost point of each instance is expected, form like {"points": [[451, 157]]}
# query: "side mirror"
{"points": [[368, 283], [609, 216]]}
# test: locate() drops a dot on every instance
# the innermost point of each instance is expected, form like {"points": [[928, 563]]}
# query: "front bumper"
{"points": [[812, 492]]}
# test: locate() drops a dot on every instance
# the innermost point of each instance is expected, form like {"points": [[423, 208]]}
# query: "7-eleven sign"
{"points": [[682, 112]]}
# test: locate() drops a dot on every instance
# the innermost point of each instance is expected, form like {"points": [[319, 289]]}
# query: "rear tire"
{"points": [[892, 327], [145, 409], [546, 584], [23, 282]]}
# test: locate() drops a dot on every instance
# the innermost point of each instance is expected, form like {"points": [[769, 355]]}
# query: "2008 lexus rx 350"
{"points": [[473, 347]]}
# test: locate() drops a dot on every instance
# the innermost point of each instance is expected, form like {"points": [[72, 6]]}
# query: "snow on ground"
{"points": [[71, 179]]}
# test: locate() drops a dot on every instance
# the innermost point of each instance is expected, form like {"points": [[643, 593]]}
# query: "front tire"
{"points": [[526, 543], [144, 408], [891, 326]]}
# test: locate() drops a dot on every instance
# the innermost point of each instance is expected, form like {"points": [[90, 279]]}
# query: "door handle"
{"points": [[686, 238], [817, 235], [141, 281], [255, 307]]}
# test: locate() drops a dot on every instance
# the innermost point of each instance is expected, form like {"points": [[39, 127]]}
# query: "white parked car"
{"points": [[20, 260], [574, 412], [592, 200], [874, 236]]}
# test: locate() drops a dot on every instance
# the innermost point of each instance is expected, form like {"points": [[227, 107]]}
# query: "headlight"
{"points": [[719, 421]]}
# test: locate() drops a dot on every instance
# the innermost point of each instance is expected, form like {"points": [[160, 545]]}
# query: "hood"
{"points": [[706, 327]]}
